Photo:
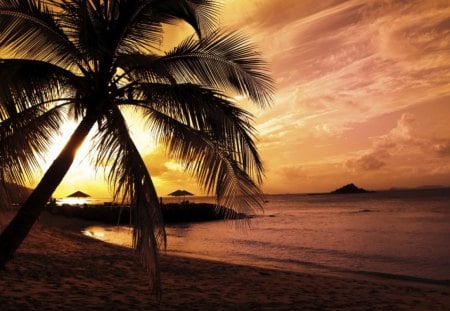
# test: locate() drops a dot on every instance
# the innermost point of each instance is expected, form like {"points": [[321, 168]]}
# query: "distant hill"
{"points": [[350, 188], [13, 194], [424, 187]]}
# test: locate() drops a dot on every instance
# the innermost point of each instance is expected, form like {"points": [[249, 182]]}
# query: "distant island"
{"points": [[348, 189]]}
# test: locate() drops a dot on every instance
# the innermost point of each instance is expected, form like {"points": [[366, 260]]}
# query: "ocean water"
{"points": [[401, 234]]}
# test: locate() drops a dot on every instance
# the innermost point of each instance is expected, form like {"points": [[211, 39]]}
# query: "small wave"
{"points": [[287, 264], [324, 252]]}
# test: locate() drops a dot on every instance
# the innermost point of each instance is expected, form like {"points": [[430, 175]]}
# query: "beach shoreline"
{"points": [[59, 268]]}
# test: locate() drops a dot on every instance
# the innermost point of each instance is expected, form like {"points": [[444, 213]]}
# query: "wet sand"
{"points": [[57, 268]]}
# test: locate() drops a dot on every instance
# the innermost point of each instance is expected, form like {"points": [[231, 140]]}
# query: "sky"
{"points": [[362, 96]]}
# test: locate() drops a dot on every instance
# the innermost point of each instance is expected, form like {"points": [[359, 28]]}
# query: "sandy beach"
{"points": [[57, 268]]}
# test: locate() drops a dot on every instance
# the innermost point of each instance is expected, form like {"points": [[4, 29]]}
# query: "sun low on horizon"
{"points": [[362, 96]]}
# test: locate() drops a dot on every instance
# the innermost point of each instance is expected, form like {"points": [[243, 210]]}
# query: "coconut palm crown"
{"points": [[87, 60]]}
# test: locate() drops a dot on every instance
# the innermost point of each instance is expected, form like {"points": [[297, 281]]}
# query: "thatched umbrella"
{"points": [[79, 194], [180, 193]]}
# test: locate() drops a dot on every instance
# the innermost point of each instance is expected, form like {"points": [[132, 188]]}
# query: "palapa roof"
{"points": [[78, 194], [180, 193]]}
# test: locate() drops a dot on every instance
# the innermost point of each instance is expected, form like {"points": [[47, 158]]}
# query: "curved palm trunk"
{"points": [[18, 228]]}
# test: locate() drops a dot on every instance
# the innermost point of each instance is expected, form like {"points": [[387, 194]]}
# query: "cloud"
{"points": [[403, 145], [155, 162], [367, 162], [292, 173], [402, 134], [350, 54], [398, 141], [442, 148], [418, 29], [267, 15]]}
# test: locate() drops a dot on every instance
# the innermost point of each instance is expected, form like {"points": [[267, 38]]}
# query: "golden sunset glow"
{"points": [[363, 93]]}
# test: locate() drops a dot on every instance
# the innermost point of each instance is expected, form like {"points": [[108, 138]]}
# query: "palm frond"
{"points": [[139, 23], [144, 68], [30, 113], [29, 29], [211, 112], [130, 180], [26, 83], [200, 14], [210, 157], [221, 61], [135, 27], [83, 24], [25, 137], [212, 163]]}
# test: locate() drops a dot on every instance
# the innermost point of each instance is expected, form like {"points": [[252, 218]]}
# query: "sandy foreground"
{"points": [[57, 268]]}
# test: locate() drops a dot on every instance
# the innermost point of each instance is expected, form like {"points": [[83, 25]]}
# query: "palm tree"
{"points": [[88, 60]]}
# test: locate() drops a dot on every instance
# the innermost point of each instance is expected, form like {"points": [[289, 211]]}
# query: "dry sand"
{"points": [[57, 268]]}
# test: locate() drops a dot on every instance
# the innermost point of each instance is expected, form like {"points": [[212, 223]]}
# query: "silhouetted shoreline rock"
{"points": [[348, 189]]}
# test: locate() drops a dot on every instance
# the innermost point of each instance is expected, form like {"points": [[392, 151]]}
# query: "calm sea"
{"points": [[401, 234]]}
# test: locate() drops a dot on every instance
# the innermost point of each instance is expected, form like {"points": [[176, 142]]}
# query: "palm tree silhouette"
{"points": [[88, 59]]}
